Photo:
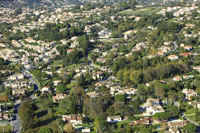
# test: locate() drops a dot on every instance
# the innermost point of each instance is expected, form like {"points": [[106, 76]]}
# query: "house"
{"points": [[167, 43], [188, 77], [177, 78], [45, 89], [114, 89], [69, 50], [86, 130], [161, 53], [57, 82], [18, 91], [101, 60], [152, 101], [112, 119], [104, 34], [5, 116], [172, 57], [185, 54], [152, 106], [197, 68], [15, 43], [175, 125], [16, 77], [188, 48], [98, 75], [28, 66], [189, 93], [128, 91], [151, 110], [59, 97], [195, 104], [144, 121], [74, 44], [92, 94], [73, 119]]}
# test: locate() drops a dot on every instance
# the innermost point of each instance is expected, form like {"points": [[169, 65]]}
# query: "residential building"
{"points": [[73, 119], [112, 119], [189, 93], [59, 97]]}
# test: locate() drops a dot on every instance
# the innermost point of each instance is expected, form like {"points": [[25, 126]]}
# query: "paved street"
{"points": [[17, 127]]}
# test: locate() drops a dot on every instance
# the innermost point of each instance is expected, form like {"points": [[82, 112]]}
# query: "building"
{"points": [[144, 121], [73, 119], [172, 57], [174, 126], [59, 97], [197, 68], [177, 78], [189, 93], [18, 91], [92, 94], [45, 89], [128, 91], [152, 106], [112, 119], [188, 77]]}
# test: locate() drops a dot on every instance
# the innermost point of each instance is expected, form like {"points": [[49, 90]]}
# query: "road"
{"points": [[193, 122], [175, 47], [17, 127]]}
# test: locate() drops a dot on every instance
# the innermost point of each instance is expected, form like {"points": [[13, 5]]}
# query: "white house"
{"points": [[189, 93], [45, 89], [112, 119], [73, 119], [152, 107]]}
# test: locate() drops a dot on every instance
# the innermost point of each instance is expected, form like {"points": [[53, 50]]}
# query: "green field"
{"points": [[191, 117], [6, 129], [140, 12], [190, 111]]}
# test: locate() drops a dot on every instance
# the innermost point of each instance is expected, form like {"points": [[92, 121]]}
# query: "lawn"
{"points": [[191, 117], [190, 111], [57, 63], [6, 129], [2, 94], [140, 12]]}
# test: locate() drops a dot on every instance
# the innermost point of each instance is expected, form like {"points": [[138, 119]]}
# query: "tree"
{"points": [[94, 107], [61, 88], [145, 130], [173, 110], [169, 15], [69, 105], [119, 107], [119, 98], [172, 94], [160, 91], [100, 124], [69, 128], [133, 4], [26, 114], [190, 128], [44, 130], [196, 114], [162, 116]]}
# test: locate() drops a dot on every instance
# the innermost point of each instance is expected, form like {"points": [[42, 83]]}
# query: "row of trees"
{"points": [[52, 32], [149, 74]]}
